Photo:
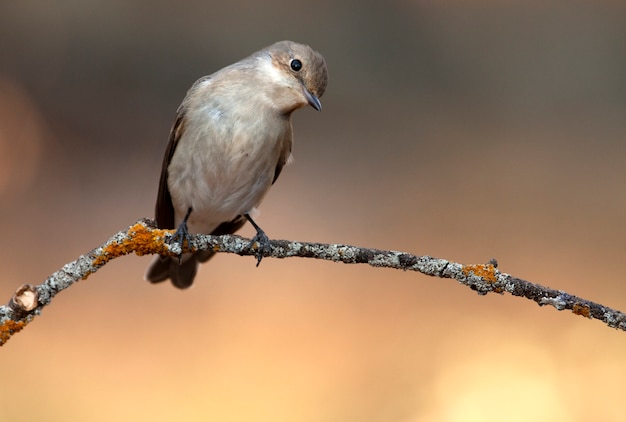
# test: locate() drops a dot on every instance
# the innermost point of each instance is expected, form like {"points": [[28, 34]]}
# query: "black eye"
{"points": [[296, 65]]}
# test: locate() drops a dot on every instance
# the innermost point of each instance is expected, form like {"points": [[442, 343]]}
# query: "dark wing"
{"points": [[164, 211], [279, 168], [230, 227], [284, 156]]}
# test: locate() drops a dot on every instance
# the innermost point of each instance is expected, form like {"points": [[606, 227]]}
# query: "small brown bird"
{"points": [[230, 140]]}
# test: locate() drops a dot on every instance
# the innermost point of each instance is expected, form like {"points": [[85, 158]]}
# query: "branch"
{"points": [[144, 238]]}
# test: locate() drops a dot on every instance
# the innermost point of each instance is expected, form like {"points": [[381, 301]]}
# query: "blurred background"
{"points": [[463, 130]]}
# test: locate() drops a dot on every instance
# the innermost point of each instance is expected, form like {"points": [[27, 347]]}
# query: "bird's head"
{"points": [[300, 72]]}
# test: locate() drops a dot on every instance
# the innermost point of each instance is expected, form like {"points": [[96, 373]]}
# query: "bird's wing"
{"points": [[230, 227], [284, 154], [164, 211]]}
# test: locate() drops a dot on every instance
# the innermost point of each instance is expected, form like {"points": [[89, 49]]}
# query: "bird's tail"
{"points": [[180, 271]]}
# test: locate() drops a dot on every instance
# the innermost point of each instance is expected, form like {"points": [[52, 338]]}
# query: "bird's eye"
{"points": [[296, 65]]}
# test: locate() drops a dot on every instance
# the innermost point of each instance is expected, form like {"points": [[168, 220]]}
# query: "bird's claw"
{"points": [[263, 246], [180, 236]]}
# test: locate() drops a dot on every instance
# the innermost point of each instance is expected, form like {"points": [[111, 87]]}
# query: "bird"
{"points": [[230, 139]]}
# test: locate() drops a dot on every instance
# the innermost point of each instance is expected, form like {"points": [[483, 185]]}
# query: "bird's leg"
{"points": [[264, 245], [182, 234]]}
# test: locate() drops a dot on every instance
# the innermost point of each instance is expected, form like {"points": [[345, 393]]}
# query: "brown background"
{"points": [[465, 131]]}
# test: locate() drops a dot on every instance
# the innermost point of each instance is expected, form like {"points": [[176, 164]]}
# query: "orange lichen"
{"points": [[10, 327], [141, 240], [485, 271], [582, 309], [146, 241]]}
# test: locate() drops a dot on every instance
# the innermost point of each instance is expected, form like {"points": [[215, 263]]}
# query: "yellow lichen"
{"points": [[10, 327], [141, 240], [582, 309], [485, 271]]}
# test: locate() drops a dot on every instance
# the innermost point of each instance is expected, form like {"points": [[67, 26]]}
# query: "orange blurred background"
{"points": [[464, 130]]}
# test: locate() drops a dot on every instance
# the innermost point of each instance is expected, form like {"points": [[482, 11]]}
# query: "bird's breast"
{"points": [[225, 163]]}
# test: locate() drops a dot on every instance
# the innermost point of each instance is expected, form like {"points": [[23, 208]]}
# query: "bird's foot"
{"points": [[263, 245], [181, 235]]}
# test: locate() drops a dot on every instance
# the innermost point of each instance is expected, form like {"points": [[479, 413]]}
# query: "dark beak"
{"points": [[313, 100]]}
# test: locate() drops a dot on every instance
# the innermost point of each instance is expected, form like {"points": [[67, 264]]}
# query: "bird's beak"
{"points": [[313, 100]]}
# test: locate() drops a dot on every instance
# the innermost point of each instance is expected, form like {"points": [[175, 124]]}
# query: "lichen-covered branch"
{"points": [[144, 238]]}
